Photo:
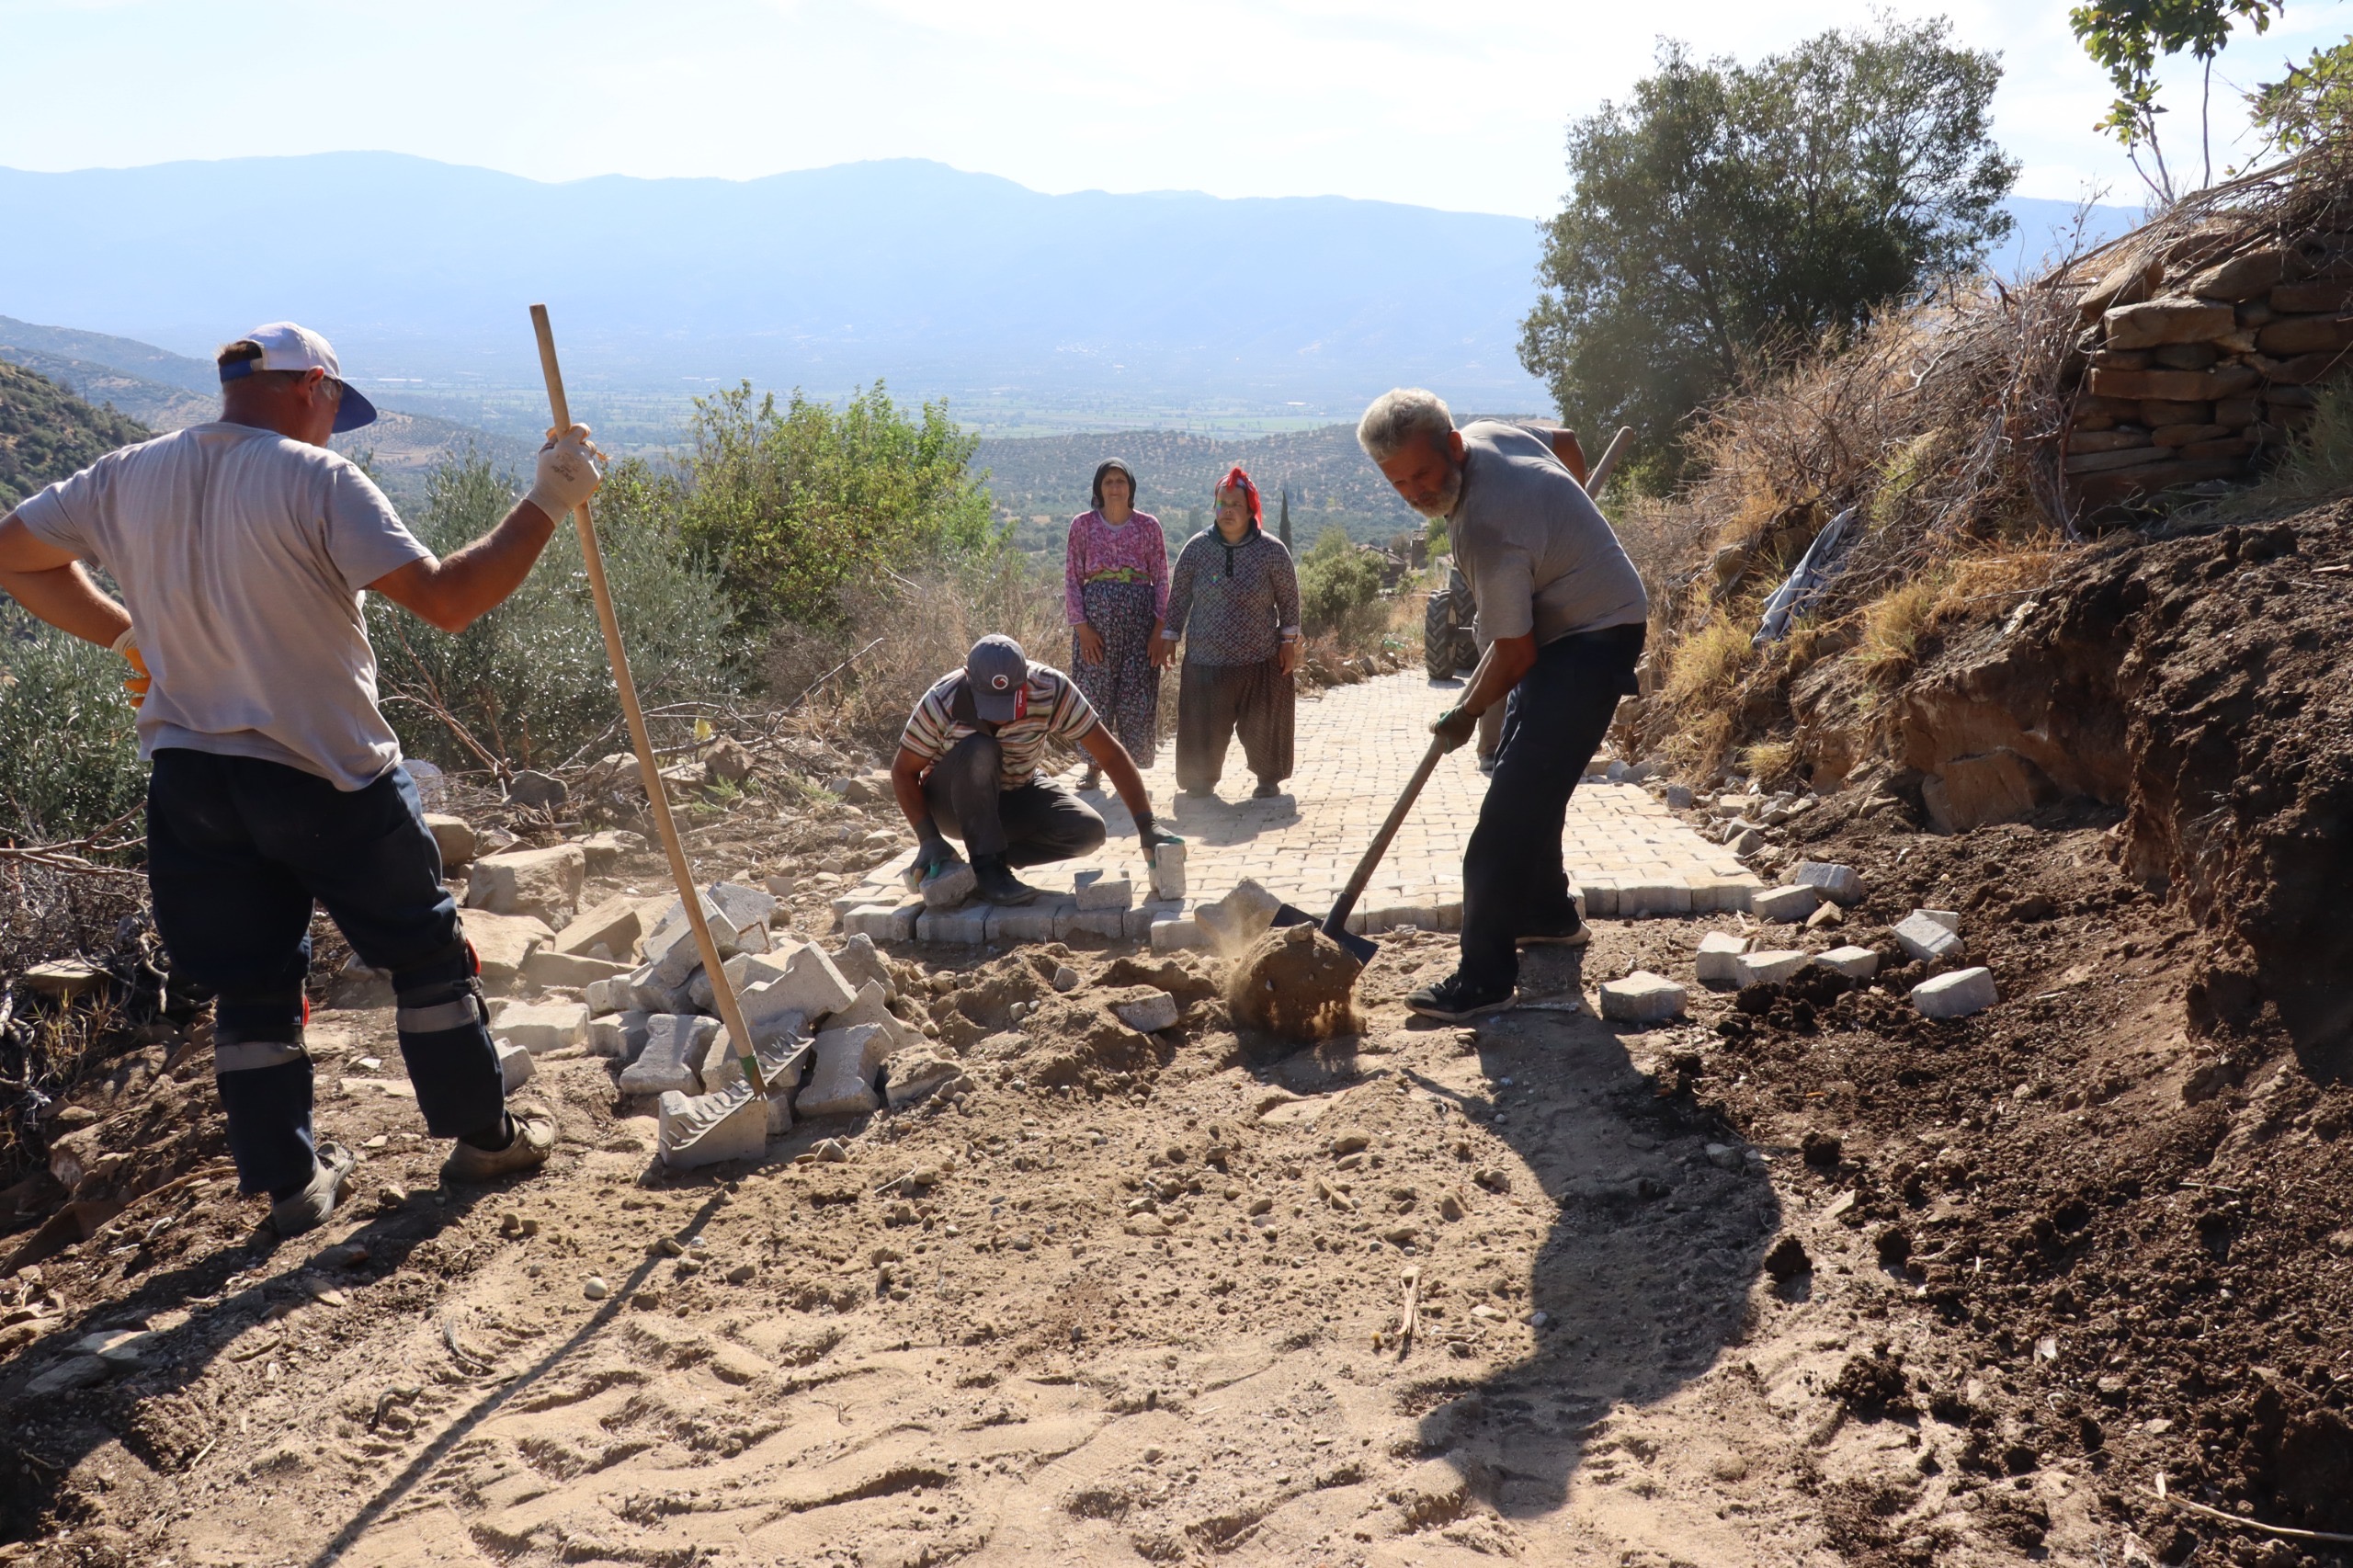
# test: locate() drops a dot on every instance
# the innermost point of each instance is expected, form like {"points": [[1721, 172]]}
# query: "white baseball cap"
{"points": [[286, 347]]}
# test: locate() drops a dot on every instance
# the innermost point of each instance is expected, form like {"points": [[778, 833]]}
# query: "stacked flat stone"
{"points": [[2193, 373]]}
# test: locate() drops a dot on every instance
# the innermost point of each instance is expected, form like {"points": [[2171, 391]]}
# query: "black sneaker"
{"points": [[1576, 934], [998, 882], [1452, 1001]]}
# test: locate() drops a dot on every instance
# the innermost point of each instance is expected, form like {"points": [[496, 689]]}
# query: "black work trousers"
{"points": [[237, 850], [1513, 878], [1030, 825]]}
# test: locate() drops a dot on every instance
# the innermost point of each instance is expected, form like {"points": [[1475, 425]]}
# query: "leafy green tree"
{"points": [[1339, 586], [1727, 215], [797, 501], [2312, 103], [2127, 37]]}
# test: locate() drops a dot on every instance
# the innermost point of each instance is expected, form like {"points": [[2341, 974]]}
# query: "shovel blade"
{"points": [[1360, 949]]}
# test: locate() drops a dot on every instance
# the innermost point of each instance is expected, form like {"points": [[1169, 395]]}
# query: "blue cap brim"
{"points": [[354, 411], [997, 709]]}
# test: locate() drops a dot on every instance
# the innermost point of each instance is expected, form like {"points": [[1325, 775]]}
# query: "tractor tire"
{"points": [[1446, 647]]}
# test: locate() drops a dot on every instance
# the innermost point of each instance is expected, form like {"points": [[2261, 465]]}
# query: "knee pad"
{"points": [[259, 1030], [440, 993]]}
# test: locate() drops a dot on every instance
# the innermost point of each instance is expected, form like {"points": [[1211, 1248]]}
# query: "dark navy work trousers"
{"points": [[1513, 879], [237, 850]]}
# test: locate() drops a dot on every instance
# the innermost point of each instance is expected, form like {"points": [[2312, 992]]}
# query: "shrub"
{"points": [[796, 503], [71, 761], [1339, 589], [529, 685]]}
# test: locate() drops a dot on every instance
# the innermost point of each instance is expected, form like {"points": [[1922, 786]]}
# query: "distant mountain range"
{"points": [[1031, 312]]}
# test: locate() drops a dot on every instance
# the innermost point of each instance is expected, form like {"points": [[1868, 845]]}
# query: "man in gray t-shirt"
{"points": [[1562, 613], [243, 548]]}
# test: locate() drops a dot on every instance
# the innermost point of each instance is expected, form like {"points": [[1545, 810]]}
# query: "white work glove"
{"points": [[567, 473]]}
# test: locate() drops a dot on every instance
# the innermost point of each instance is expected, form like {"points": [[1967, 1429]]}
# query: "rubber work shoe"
{"points": [[998, 884], [1452, 1001], [309, 1208], [1267, 789], [1576, 934], [534, 1136]]}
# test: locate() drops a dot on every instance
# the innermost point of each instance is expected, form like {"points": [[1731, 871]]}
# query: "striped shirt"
{"points": [[1054, 708]]}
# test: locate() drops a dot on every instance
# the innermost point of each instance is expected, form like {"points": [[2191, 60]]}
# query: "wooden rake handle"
{"points": [[731, 1011]]}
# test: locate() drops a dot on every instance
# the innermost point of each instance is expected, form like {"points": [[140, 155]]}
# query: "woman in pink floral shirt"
{"points": [[1115, 591]]}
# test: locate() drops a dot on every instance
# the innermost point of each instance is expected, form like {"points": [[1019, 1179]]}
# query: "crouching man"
{"points": [[968, 767], [243, 548]]}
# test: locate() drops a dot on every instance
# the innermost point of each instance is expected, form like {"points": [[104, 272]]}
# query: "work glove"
{"points": [[1151, 835], [567, 473], [140, 680], [1455, 726], [934, 855]]}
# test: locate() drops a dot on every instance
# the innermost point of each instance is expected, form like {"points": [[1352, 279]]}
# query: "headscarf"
{"points": [[1116, 465], [1237, 479]]}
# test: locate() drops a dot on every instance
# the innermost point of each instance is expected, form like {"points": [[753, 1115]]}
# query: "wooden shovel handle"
{"points": [[1337, 921], [731, 1011]]}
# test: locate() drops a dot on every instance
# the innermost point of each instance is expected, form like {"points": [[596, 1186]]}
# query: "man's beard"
{"points": [[1440, 505]]}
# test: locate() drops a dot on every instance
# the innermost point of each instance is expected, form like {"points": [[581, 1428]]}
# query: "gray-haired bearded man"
{"points": [[1563, 612], [243, 548]]}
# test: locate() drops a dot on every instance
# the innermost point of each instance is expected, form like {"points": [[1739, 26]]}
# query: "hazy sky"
{"points": [[1439, 104]]}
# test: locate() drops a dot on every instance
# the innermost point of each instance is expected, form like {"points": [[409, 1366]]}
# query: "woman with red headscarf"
{"points": [[1235, 601]]}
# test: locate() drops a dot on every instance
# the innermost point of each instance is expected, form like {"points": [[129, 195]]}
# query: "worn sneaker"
{"points": [[310, 1207], [534, 1136], [1576, 934], [998, 882], [1452, 1001]]}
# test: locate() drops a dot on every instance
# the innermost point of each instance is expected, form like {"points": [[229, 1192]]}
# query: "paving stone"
{"points": [[955, 927], [842, 1081], [1855, 963], [515, 1065], [871, 1006], [454, 837], [1714, 965], [1640, 900], [1109, 924], [603, 996], [1722, 895], [545, 882], [649, 995], [1783, 906], [501, 943], [612, 925], [1642, 998], [1099, 890], [1926, 938], [1135, 925], [675, 954], [1948, 918], [621, 1036], [708, 1129], [1036, 922], [912, 1076], [769, 1013], [674, 1043], [949, 886], [884, 922], [1175, 933], [1768, 968], [1239, 918], [1956, 994], [782, 1064], [858, 962], [1842, 885], [540, 1026], [807, 981], [1148, 1015], [744, 906], [1168, 870], [548, 968]]}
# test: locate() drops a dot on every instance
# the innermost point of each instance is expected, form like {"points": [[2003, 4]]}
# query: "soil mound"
{"points": [[1296, 982]]}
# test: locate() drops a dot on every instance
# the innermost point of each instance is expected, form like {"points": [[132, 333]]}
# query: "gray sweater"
{"points": [[1239, 599]]}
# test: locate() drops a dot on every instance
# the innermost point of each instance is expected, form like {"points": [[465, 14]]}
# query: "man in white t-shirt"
{"points": [[242, 548]]}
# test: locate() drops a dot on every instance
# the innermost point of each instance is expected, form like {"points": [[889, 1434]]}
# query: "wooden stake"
{"points": [[1413, 1320], [731, 1011]]}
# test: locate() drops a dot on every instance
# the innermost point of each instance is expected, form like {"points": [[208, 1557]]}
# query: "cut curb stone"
{"points": [[1926, 938], [1784, 906], [1842, 885], [674, 1043], [1642, 998]]}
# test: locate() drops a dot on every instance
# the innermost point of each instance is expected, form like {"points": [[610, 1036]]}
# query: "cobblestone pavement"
{"points": [[1357, 746]]}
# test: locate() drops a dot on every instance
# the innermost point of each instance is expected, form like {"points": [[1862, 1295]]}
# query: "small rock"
{"points": [[76, 1372], [540, 791], [830, 1151], [453, 836], [1824, 915], [64, 978], [1723, 1156], [1065, 979], [1787, 1260], [1678, 797], [728, 761], [1148, 1015]]}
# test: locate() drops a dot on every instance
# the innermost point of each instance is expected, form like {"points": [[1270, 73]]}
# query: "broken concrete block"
{"points": [[1642, 998], [1148, 1015], [546, 967], [1109, 924], [545, 882], [1957, 994], [781, 1061], [954, 927], [1638, 901], [769, 1013], [708, 1129], [672, 951], [1827, 914], [515, 1065], [1168, 870], [540, 1026], [620, 1036], [1717, 951], [1926, 938], [502, 942], [949, 886], [1842, 885], [675, 1042], [1095, 889], [1783, 906], [805, 981], [871, 1007], [858, 962], [911, 1076], [842, 1081], [454, 837], [1175, 932], [1948, 918], [612, 924], [64, 977], [1768, 968], [1027, 922], [603, 996], [649, 995], [744, 906], [1239, 918], [883, 921], [1135, 925], [1855, 963]]}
